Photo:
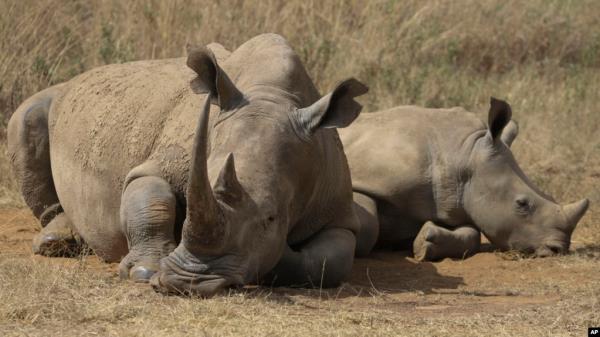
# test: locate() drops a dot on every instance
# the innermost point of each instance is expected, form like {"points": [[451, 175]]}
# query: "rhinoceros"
{"points": [[440, 177], [236, 176]]}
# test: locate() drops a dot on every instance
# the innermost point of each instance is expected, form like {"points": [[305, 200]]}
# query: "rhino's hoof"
{"points": [[53, 245], [141, 274], [137, 273], [424, 252], [423, 247]]}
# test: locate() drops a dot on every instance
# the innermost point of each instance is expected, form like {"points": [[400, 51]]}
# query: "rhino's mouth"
{"points": [[547, 250], [543, 250], [182, 273]]}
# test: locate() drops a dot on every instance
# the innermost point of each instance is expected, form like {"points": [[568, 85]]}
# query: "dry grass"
{"points": [[9, 193], [541, 55]]}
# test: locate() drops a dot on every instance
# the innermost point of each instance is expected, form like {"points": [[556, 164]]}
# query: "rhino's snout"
{"points": [[172, 279], [165, 282], [572, 213], [183, 273]]}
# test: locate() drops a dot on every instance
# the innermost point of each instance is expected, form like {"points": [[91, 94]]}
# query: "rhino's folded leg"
{"points": [[324, 261], [366, 210], [58, 238], [148, 220], [435, 243]]}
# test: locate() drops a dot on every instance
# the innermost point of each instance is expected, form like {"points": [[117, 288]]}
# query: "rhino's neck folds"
{"points": [[448, 188], [450, 174]]}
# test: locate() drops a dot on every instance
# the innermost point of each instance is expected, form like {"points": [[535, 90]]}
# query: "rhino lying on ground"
{"points": [[440, 177], [263, 190]]}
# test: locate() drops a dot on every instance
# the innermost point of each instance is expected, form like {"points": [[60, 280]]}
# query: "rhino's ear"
{"points": [[212, 79], [219, 51], [510, 132], [335, 110], [499, 115]]}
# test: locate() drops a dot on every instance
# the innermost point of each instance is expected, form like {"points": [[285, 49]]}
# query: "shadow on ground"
{"points": [[385, 272]]}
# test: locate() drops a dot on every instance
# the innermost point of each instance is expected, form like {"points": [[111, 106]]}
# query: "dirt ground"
{"points": [[491, 293]]}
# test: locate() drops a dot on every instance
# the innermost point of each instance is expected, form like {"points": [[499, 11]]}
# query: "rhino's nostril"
{"points": [[555, 250]]}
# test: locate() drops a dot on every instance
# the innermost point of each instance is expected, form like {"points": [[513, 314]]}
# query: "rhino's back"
{"points": [[392, 154], [109, 121]]}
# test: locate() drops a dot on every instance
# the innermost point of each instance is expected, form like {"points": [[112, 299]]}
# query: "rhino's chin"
{"points": [[184, 274]]}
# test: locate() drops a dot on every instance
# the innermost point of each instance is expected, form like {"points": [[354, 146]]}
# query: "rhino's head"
{"points": [[251, 177], [503, 202]]}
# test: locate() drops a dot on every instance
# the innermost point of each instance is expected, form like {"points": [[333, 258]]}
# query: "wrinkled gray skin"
{"points": [[194, 196], [439, 177]]}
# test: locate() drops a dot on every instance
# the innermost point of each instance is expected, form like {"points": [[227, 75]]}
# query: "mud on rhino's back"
{"points": [[107, 122]]}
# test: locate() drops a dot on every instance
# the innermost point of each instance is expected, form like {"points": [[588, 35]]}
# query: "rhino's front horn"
{"points": [[574, 212], [201, 230]]}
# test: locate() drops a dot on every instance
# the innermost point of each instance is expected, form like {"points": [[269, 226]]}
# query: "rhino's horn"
{"points": [[227, 187], [201, 227], [574, 212]]}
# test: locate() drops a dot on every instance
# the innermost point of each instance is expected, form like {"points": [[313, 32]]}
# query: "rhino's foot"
{"points": [[138, 268], [424, 249], [434, 243], [148, 218], [58, 239], [325, 261]]}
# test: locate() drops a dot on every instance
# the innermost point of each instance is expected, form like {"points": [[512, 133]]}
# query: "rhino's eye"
{"points": [[523, 205]]}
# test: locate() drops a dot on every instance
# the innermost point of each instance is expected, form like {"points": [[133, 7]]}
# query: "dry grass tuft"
{"points": [[9, 191]]}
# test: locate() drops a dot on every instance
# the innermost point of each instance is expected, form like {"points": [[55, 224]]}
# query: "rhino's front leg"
{"points": [[324, 261], [148, 220], [435, 243], [368, 233]]}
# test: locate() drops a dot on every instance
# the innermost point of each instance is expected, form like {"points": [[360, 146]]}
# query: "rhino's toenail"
{"points": [[141, 274]]}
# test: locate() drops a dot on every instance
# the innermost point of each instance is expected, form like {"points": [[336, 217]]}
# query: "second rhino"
{"points": [[438, 178]]}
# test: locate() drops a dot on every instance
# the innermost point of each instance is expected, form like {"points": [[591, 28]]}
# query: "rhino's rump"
{"points": [[111, 120]]}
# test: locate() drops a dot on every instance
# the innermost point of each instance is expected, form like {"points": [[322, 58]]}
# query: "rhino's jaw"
{"points": [[184, 273]]}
